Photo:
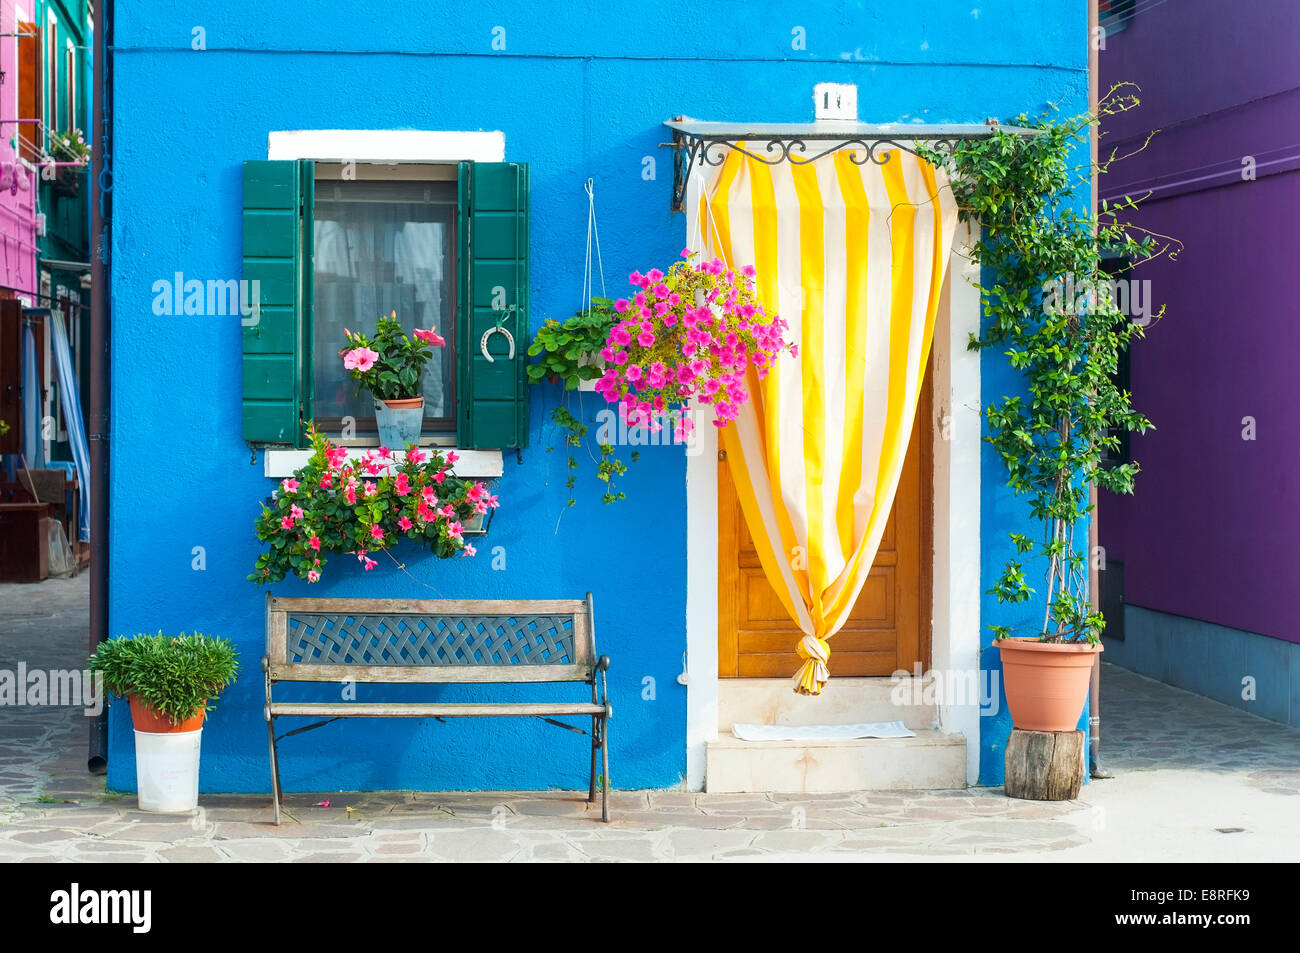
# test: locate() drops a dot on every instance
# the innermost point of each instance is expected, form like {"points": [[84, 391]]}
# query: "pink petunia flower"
{"points": [[290, 485], [470, 550], [404, 524], [314, 543], [296, 512], [402, 485], [416, 455], [286, 522], [313, 575], [377, 532]]}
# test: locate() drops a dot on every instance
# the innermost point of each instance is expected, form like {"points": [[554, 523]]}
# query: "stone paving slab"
{"points": [[1186, 768]]}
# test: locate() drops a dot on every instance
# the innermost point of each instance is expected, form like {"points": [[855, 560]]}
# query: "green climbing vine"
{"points": [[1051, 307]]}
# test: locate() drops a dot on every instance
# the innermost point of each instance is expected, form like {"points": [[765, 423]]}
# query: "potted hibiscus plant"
{"points": [[366, 506], [389, 365], [169, 681]]}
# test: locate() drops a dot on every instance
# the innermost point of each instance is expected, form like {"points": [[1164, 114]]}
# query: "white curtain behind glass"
{"points": [[380, 247]]}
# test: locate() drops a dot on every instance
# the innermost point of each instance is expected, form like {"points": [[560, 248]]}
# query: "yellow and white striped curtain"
{"points": [[853, 257]]}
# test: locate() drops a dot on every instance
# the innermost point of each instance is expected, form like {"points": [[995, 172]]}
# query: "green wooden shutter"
{"points": [[493, 291], [276, 372]]}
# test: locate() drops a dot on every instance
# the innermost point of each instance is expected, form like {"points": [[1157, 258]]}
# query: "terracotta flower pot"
{"points": [[149, 720], [1046, 682], [404, 403]]}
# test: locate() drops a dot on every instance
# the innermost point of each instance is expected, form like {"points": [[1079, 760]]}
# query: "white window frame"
{"points": [[387, 145]]}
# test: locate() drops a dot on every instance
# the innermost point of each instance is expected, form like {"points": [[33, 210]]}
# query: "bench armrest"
{"points": [[598, 672]]}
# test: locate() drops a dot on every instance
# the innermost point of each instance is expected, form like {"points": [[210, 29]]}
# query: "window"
{"points": [[382, 242], [1120, 271], [71, 67], [1113, 15], [51, 113], [29, 87], [444, 246]]}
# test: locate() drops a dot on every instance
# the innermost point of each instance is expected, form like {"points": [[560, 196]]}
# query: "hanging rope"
{"points": [[593, 240]]}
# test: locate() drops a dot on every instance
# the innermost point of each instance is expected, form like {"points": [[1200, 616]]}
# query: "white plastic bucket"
{"points": [[167, 770]]}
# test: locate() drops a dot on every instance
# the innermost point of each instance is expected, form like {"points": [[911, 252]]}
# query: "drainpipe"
{"points": [[1094, 682], [97, 423]]}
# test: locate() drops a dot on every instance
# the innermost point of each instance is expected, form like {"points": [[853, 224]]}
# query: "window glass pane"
{"points": [[382, 247]]}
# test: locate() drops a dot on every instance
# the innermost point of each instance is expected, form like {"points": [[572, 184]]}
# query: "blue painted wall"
{"points": [[579, 92]]}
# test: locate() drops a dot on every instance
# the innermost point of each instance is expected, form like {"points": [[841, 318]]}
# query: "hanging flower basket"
{"points": [[694, 333]]}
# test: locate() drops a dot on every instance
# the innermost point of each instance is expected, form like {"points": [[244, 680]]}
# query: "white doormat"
{"points": [[879, 729]]}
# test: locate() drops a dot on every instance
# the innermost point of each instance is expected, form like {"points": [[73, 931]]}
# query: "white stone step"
{"points": [[933, 760], [844, 701]]}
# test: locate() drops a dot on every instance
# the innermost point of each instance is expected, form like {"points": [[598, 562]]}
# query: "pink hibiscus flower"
{"points": [[430, 336], [360, 359]]}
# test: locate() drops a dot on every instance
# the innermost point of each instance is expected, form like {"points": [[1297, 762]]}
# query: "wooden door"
{"points": [[889, 627]]}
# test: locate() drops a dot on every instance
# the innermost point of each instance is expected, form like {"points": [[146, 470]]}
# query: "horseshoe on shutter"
{"points": [[483, 343]]}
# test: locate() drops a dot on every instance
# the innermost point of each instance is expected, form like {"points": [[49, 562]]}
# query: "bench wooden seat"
{"points": [[433, 709], [436, 642]]}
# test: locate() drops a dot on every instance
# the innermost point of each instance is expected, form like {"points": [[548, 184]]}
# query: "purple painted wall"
{"points": [[1212, 530]]}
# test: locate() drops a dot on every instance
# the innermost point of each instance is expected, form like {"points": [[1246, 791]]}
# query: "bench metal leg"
{"points": [[604, 752], [595, 754], [275, 769]]}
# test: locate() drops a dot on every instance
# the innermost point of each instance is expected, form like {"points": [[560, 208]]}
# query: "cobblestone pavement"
{"points": [[1194, 780]]}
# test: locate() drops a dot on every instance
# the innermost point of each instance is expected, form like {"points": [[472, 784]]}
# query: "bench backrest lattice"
{"points": [[388, 640]]}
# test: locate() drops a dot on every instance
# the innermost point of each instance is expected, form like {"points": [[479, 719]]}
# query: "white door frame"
{"points": [[955, 645]]}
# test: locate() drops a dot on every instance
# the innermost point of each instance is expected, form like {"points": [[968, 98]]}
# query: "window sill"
{"points": [[474, 464]]}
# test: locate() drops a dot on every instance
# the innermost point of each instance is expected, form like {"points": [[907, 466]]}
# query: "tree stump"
{"points": [[1045, 765]]}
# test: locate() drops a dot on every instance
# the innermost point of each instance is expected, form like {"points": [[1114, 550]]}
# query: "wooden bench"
{"points": [[435, 641]]}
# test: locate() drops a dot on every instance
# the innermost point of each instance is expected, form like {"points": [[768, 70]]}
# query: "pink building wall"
{"points": [[18, 182]]}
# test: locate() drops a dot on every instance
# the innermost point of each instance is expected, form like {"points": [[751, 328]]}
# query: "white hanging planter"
{"points": [[590, 360]]}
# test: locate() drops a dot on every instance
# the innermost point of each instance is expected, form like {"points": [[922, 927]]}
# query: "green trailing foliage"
{"points": [[568, 352], [565, 347], [1049, 308], [176, 675]]}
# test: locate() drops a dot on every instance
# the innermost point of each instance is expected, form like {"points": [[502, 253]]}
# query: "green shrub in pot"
{"points": [[175, 675]]}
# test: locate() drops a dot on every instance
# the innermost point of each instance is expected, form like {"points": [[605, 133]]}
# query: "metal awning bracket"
{"points": [[708, 143]]}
